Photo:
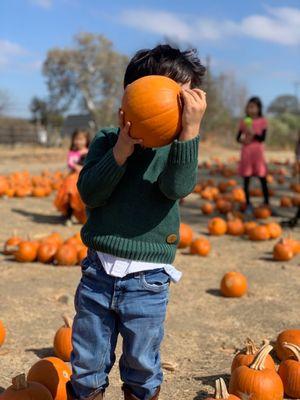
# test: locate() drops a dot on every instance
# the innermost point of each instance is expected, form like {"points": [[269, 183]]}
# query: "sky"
{"points": [[258, 41]]}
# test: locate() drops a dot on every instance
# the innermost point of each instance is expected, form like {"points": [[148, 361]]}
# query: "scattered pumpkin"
{"points": [[282, 251], [46, 252], [81, 254], [248, 226], [247, 355], [10, 244], [235, 227], [289, 372], [233, 284], [291, 336], [221, 392], [200, 246], [286, 202], [63, 340], [26, 251], [259, 233], [207, 208], [2, 333], [152, 104], [256, 381], [53, 373], [185, 236], [262, 212], [66, 255], [217, 226], [275, 230], [24, 390]]}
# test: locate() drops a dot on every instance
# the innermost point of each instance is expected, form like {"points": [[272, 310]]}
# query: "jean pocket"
{"points": [[155, 281]]}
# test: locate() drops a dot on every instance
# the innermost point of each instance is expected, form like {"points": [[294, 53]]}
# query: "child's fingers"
{"points": [[193, 96], [121, 118], [200, 93], [126, 128], [186, 97]]}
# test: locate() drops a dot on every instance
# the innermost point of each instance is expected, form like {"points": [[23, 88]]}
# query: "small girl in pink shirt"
{"points": [[78, 150], [252, 134]]}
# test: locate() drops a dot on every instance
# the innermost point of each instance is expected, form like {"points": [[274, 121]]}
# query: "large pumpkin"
{"points": [[52, 373], [152, 105], [23, 390], [63, 340]]}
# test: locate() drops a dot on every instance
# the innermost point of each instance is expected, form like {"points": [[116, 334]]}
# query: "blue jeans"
{"points": [[135, 307]]}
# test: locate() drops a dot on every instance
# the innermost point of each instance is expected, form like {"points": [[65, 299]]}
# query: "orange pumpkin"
{"points": [[262, 212], [46, 252], [207, 208], [63, 340], [10, 245], [217, 226], [66, 255], [248, 226], [255, 381], [185, 236], [238, 195], [53, 373], [289, 372], [23, 390], [26, 251], [224, 206], [294, 244], [153, 106], [2, 333], [274, 230], [201, 247], [221, 392], [259, 233], [81, 254], [282, 251], [247, 355], [235, 227], [288, 336], [233, 284], [286, 202]]}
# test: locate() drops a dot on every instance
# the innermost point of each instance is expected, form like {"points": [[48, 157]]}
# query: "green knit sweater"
{"points": [[133, 209]]}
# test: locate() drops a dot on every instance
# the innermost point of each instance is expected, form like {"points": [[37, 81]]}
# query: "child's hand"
{"points": [[193, 111], [83, 152], [125, 144]]}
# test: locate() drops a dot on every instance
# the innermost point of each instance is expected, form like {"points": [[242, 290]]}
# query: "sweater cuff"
{"points": [[110, 168], [184, 152]]}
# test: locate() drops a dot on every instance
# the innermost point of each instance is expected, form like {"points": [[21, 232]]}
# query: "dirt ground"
{"points": [[203, 330]]}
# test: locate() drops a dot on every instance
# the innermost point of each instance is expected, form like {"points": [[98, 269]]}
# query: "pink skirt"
{"points": [[252, 161]]}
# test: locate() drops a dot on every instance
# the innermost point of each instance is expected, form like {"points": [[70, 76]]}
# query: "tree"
{"points": [[5, 102], [90, 73], [43, 114], [284, 104]]}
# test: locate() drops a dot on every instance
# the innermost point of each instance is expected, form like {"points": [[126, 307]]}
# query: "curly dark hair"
{"points": [[181, 66]]}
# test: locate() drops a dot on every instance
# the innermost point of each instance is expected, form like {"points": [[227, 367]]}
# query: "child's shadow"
{"points": [[40, 218]]}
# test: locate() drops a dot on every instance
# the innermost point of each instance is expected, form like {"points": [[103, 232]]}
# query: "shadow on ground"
{"points": [[43, 352], [40, 218]]}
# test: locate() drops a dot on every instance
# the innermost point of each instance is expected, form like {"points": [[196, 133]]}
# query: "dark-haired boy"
{"points": [[132, 195]]}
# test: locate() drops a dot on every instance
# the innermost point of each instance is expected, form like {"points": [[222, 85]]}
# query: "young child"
{"points": [[67, 199], [252, 134], [132, 194], [80, 142]]}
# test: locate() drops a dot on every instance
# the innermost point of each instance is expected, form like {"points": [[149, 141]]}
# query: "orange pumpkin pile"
{"points": [[23, 184], [49, 249]]}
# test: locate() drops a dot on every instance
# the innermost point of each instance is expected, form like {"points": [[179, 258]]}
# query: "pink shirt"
{"points": [[73, 158]]}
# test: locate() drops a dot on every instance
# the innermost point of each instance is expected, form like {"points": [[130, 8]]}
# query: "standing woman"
{"points": [[252, 134]]}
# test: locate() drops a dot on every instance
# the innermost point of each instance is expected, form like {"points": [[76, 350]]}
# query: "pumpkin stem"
{"points": [[260, 358], [294, 349], [250, 347], [19, 382], [67, 321], [221, 389]]}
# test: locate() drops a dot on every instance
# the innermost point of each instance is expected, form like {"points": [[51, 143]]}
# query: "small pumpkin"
{"points": [[66, 255], [46, 252], [259, 233], [274, 230], [217, 226], [24, 390], [234, 284], [26, 251], [262, 212], [63, 340], [10, 245], [152, 104], [289, 372], [53, 373], [282, 251], [247, 355], [224, 206], [255, 381], [81, 254], [185, 236], [286, 201], [221, 392], [235, 227], [291, 336], [248, 226], [2, 333], [200, 246], [238, 195], [207, 208]]}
